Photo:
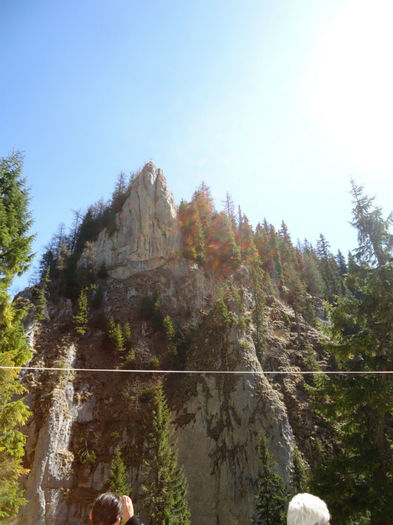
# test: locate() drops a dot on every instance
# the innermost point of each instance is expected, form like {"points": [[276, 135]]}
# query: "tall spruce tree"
{"points": [[165, 485], [271, 494], [117, 481], [15, 219], [15, 255], [81, 317], [357, 479]]}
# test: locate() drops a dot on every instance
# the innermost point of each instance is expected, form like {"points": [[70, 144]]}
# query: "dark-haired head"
{"points": [[106, 509]]}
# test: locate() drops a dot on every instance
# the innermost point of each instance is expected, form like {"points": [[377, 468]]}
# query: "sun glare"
{"points": [[350, 84]]}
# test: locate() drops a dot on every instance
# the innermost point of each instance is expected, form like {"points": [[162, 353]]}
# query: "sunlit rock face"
{"points": [[219, 445], [48, 446], [147, 232]]}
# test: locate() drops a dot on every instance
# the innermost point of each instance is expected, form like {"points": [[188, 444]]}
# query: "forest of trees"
{"points": [[354, 469], [357, 478], [222, 241]]}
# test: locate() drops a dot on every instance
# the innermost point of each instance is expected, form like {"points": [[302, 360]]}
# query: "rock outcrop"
{"points": [[146, 233], [219, 446], [79, 419]]}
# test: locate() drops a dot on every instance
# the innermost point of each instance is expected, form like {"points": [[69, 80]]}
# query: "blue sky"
{"points": [[278, 103]]}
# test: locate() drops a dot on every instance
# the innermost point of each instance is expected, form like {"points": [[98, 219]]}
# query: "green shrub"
{"points": [[155, 362]]}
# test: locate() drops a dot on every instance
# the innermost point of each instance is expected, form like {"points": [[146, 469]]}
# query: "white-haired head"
{"points": [[306, 509]]}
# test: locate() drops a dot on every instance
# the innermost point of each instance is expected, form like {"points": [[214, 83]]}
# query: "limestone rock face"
{"points": [[219, 447], [51, 471], [225, 417], [147, 232]]}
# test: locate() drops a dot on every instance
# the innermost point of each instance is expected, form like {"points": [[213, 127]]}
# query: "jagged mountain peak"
{"points": [[146, 233], [149, 167]]}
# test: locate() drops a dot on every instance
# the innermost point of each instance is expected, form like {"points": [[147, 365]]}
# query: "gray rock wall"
{"points": [[147, 232]]}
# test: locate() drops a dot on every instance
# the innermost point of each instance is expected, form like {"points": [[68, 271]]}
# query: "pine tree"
{"points": [[40, 296], [117, 481], [311, 273], [127, 334], [15, 256], [222, 251], [165, 485], [15, 219], [88, 229], [81, 318], [245, 240], [262, 244], [271, 495], [329, 269], [115, 335], [229, 209], [204, 202], [357, 479], [342, 265], [119, 193], [170, 332], [283, 232], [299, 474], [192, 232]]}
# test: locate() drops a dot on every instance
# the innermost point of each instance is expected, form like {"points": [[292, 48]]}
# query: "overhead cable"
{"points": [[201, 372]]}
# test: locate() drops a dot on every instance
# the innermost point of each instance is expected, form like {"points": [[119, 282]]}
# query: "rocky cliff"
{"points": [[147, 234], [79, 418]]}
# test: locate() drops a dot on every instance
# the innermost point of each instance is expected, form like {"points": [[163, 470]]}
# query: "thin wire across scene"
{"points": [[201, 372]]}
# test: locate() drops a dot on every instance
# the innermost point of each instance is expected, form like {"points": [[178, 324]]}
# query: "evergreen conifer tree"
{"points": [[329, 269], [311, 274], [127, 334], [271, 495], [204, 202], [40, 296], [165, 485], [81, 318], [119, 194], [223, 254], [15, 219], [229, 209], [284, 233], [192, 232], [115, 335], [15, 256], [299, 474], [262, 244], [170, 332], [117, 481], [357, 479], [342, 265], [245, 240]]}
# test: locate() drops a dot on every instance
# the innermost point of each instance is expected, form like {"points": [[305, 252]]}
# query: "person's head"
{"points": [[106, 509], [306, 509]]}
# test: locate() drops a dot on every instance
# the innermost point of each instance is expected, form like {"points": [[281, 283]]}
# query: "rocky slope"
{"points": [[79, 418]]}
